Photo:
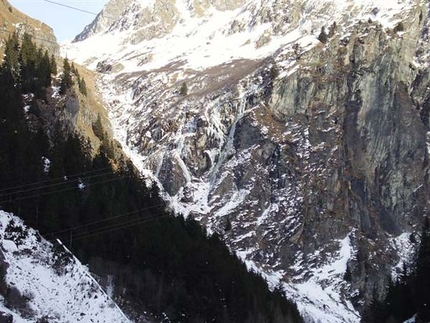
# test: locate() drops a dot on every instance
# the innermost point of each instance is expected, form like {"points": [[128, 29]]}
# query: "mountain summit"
{"points": [[298, 130]]}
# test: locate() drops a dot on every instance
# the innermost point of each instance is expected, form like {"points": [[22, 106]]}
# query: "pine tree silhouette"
{"points": [[422, 286], [66, 78]]}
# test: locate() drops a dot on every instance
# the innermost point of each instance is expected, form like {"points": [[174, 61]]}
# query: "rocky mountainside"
{"points": [[296, 129], [77, 112], [11, 20]]}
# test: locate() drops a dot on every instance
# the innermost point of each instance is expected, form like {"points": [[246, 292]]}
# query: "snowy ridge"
{"points": [[252, 31], [53, 283]]}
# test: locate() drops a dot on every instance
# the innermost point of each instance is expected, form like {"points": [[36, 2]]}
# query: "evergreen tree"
{"points": [[409, 294], [28, 64], [74, 70], [53, 65], [11, 57], [45, 70], [34, 67], [422, 285], [66, 78], [28, 51], [82, 86], [376, 311], [398, 300]]}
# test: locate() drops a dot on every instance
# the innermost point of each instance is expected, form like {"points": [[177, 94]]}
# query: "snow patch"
{"points": [[404, 248], [46, 164]]}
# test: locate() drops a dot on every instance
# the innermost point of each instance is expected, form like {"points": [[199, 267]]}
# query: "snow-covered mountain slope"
{"points": [[141, 36], [309, 158], [40, 280]]}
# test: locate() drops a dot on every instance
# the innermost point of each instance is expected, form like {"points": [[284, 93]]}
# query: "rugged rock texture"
{"points": [[310, 157], [364, 164], [75, 112], [11, 19], [148, 20]]}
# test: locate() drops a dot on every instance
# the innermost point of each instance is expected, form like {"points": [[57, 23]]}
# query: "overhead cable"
{"points": [[103, 220], [119, 227], [65, 182], [34, 37], [59, 191], [71, 7], [28, 186]]}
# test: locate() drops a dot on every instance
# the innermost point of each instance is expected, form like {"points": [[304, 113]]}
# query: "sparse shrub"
{"points": [[184, 89], [43, 319], [399, 27], [15, 232], [61, 259], [323, 37], [332, 29], [227, 226], [2, 272], [274, 72], [348, 275], [16, 300], [98, 128]]}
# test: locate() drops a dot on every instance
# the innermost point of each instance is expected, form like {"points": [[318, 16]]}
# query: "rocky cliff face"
{"points": [[11, 20], [310, 158], [75, 112]]}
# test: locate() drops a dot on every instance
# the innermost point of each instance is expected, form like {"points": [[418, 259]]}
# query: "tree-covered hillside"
{"points": [[106, 213], [409, 294]]}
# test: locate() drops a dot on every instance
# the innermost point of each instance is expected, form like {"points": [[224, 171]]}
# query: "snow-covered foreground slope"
{"points": [[43, 281]]}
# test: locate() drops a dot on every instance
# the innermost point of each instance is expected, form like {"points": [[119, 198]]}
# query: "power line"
{"points": [[65, 6], [59, 191], [77, 175], [117, 226], [124, 226], [77, 9], [55, 184], [103, 220], [34, 37], [71, 7]]}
